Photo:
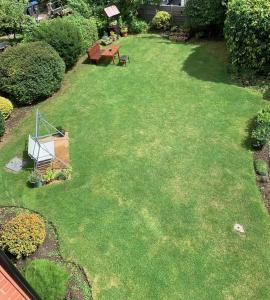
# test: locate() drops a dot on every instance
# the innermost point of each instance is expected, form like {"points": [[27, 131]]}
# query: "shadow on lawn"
{"points": [[208, 62], [101, 63], [247, 141]]}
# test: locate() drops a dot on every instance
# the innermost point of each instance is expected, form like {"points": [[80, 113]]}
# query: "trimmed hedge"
{"points": [[63, 36], [2, 125], [22, 235], [202, 14], [247, 33], [30, 72], [6, 107], [48, 278], [260, 134]]}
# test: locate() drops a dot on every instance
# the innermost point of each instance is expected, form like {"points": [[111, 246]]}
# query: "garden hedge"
{"points": [[260, 134], [247, 33], [30, 72], [87, 28], [203, 14], [63, 36]]}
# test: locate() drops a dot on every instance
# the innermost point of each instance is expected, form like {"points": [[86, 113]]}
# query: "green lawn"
{"points": [[161, 174]]}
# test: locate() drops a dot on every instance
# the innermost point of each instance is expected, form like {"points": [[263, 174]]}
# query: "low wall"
{"points": [[148, 11]]}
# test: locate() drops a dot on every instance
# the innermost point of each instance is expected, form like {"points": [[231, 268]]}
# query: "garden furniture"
{"points": [[123, 60], [95, 53], [111, 52]]}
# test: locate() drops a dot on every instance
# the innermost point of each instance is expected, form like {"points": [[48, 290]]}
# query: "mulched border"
{"points": [[263, 186], [50, 250]]}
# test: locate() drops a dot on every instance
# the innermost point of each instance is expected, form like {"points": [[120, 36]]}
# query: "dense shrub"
{"points": [[261, 167], [87, 28], [138, 26], [81, 7], [247, 33], [22, 235], [260, 135], [30, 72], [48, 278], [2, 125], [162, 20], [6, 107], [204, 14], [63, 36]]}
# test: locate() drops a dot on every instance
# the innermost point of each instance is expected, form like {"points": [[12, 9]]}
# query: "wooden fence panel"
{"points": [[148, 11]]}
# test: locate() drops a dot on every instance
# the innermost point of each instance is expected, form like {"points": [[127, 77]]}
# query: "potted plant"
{"points": [[124, 31], [35, 179], [113, 35]]}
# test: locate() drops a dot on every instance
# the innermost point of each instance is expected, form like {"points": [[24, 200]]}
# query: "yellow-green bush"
{"points": [[23, 234], [6, 107], [162, 20]]}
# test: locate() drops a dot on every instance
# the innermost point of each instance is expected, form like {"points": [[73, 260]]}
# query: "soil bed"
{"points": [[79, 287], [264, 187]]}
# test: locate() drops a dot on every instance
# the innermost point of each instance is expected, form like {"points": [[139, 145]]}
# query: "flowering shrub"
{"points": [[23, 234], [6, 107]]}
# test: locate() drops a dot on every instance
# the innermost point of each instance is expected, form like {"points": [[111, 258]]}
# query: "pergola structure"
{"points": [[50, 150]]}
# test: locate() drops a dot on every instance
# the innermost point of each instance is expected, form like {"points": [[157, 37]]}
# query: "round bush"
{"points": [[49, 279], [261, 167], [204, 14], [22, 235], [247, 34], [260, 134], [162, 20], [30, 72], [2, 125], [6, 107], [87, 28], [138, 26], [63, 36]]}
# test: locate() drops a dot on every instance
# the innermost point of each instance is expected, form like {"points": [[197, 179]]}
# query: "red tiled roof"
{"points": [[9, 289], [111, 11]]}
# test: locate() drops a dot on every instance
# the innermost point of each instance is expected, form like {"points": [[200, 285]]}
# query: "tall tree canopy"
{"points": [[12, 14]]}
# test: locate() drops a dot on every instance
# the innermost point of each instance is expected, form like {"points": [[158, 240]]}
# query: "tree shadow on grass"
{"points": [[208, 62], [247, 141], [102, 63]]}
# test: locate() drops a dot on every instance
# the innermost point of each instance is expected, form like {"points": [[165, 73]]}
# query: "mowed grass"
{"points": [[161, 174]]}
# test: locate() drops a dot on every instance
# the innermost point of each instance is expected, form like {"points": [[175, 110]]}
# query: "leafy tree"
{"points": [[247, 34], [12, 15], [63, 36], [203, 14]]}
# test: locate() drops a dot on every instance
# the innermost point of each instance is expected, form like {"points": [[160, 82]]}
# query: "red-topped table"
{"points": [[111, 51]]}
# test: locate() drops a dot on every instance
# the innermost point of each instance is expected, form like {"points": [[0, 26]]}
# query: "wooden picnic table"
{"points": [[111, 51]]}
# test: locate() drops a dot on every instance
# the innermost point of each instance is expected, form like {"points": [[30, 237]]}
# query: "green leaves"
{"points": [[202, 14], [12, 15], [247, 33]]}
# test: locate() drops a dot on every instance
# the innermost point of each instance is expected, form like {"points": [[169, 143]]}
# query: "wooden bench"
{"points": [[95, 53]]}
